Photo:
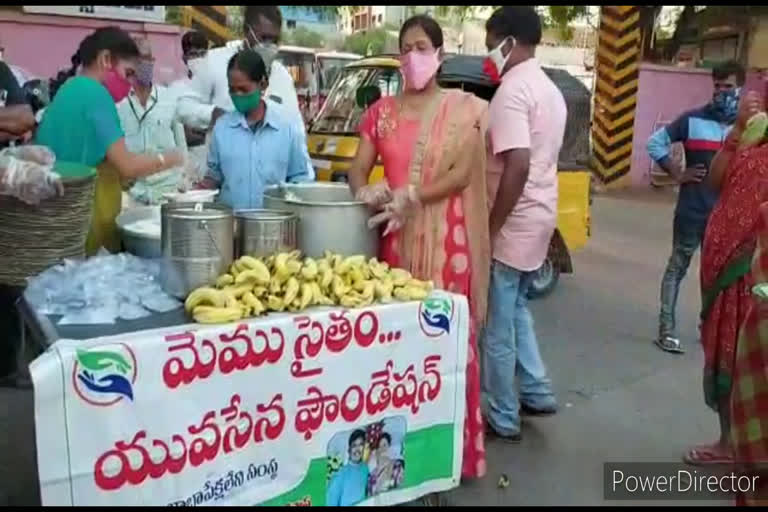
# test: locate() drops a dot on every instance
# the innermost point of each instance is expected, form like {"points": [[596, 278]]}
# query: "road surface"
{"points": [[622, 399]]}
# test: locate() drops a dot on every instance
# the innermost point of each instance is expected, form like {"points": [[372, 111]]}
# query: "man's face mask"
{"points": [[266, 48], [726, 104]]}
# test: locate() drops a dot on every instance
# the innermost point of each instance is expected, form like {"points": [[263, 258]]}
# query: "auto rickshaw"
{"points": [[333, 140]]}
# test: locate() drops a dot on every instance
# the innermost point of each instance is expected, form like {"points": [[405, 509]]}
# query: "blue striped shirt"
{"points": [[244, 160]]}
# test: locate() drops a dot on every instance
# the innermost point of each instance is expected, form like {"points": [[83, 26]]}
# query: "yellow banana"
{"points": [[323, 265], [338, 287], [259, 291], [205, 296], [291, 290], [305, 299], [408, 293], [234, 270], [275, 303], [241, 267], [349, 262], [379, 270], [368, 293], [238, 290], [424, 285], [256, 270], [293, 267], [351, 300], [230, 300], [399, 276], [356, 277], [225, 280], [383, 290], [216, 315], [309, 270], [253, 303], [295, 254], [253, 276], [326, 279], [275, 285]]}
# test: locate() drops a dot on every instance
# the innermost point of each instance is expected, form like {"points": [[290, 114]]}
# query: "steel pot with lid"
{"points": [[260, 233], [197, 245], [329, 218]]}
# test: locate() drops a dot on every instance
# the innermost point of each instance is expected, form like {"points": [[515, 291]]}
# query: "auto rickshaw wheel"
{"points": [[545, 281]]}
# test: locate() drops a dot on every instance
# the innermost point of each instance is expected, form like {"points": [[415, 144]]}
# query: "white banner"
{"points": [[143, 13], [334, 407]]}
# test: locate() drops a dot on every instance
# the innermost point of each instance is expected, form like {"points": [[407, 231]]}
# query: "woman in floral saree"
{"points": [[432, 144], [741, 176]]}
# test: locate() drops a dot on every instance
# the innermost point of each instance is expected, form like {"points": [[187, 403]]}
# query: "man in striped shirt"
{"points": [[702, 132]]}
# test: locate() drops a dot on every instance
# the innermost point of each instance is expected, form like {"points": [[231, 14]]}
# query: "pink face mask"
{"points": [[419, 68], [117, 85]]}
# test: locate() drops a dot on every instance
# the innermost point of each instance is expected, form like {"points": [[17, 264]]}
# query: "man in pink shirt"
{"points": [[526, 126]]}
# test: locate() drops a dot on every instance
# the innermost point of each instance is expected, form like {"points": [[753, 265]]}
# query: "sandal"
{"points": [[669, 344], [706, 456]]}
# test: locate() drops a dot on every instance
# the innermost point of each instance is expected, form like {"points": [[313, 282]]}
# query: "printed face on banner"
{"points": [[436, 315], [373, 463], [105, 375]]}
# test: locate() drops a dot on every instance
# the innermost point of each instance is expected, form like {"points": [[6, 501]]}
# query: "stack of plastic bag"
{"points": [[100, 290]]}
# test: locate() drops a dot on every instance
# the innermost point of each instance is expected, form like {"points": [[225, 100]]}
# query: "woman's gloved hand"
{"points": [[405, 201], [374, 195], [394, 223], [28, 180]]}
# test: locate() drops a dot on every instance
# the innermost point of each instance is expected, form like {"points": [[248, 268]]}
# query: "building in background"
{"points": [[322, 21], [378, 16], [42, 39]]}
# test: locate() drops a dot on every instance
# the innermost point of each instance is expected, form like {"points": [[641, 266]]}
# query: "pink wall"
{"points": [[664, 92], [43, 45]]}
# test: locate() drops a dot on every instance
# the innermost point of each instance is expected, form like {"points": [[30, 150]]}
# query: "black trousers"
{"points": [[10, 333]]}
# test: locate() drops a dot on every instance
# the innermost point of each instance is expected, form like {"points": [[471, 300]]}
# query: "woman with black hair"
{"points": [[432, 144], [81, 125], [256, 145]]}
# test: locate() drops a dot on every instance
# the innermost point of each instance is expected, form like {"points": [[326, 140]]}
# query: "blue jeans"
{"points": [[509, 348], [686, 238]]}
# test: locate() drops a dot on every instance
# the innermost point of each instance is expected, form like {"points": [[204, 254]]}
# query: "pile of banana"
{"points": [[285, 282]]}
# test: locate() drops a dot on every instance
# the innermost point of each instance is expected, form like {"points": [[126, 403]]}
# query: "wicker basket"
{"points": [[34, 238]]}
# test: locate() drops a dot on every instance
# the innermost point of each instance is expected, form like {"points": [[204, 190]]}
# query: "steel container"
{"points": [[260, 233], [329, 218], [197, 243], [144, 245]]}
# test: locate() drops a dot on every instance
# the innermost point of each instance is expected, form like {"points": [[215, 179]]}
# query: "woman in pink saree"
{"points": [[432, 144]]}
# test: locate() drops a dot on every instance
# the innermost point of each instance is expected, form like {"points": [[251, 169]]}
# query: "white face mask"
{"points": [[195, 66], [497, 56]]}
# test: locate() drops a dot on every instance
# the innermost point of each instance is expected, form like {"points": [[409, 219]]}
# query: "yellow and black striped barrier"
{"points": [[615, 96], [210, 20]]}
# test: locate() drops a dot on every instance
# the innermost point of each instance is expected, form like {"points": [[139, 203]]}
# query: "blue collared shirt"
{"points": [[244, 160]]}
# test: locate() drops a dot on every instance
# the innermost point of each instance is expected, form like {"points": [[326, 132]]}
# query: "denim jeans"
{"points": [[509, 349], [686, 238]]}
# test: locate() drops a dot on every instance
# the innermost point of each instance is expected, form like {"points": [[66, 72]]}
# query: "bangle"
{"points": [[162, 159]]}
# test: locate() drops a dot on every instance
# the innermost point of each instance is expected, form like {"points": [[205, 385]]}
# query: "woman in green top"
{"points": [[81, 125]]}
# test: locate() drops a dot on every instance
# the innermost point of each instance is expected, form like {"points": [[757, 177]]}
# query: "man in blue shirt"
{"points": [[258, 144], [347, 486], [702, 132]]}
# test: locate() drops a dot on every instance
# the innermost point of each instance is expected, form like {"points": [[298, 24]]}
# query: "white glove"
{"points": [[374, 195], [29, 180], [393, 220]]}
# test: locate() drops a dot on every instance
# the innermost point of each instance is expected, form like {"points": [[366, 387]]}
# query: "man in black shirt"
{"points": [[16, 116]]}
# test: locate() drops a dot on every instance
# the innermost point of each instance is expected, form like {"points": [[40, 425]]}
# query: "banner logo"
{"points": [[105, 376], [436, 315]]}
